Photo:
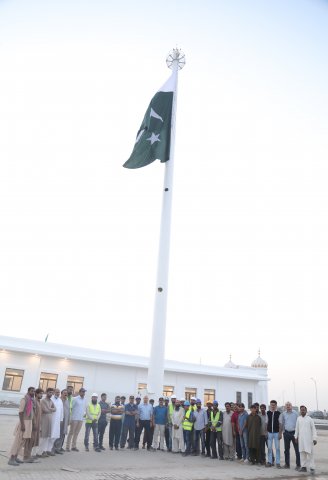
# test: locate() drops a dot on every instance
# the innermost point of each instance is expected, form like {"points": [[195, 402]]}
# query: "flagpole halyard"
{"points": [[175, 61]]}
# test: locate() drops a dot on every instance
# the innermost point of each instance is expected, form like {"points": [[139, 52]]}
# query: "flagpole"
{"points": [[175, 61]]}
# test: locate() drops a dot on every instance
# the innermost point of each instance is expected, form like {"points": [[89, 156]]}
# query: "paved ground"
{"points": [[143, 465]]}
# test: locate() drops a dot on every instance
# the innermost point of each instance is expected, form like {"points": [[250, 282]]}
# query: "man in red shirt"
{"points": [[235, 433]]}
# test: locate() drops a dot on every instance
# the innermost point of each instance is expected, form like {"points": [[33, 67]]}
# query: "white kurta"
{"points": [[305, 433], [56, 417]]}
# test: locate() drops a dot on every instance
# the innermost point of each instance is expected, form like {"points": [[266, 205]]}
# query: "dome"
{"points": [[259, 362], [230, 364]]}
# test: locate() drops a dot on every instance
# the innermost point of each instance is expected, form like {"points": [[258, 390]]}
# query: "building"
{"points": [[25, 363]]}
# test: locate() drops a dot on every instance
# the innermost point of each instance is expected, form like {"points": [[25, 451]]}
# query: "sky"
{"points": [[79, 233]]}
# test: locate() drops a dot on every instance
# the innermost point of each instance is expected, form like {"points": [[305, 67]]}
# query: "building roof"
{"points": [[99, 356]]}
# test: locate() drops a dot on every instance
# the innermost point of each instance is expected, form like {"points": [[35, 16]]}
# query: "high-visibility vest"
{"points": [[215, 419], [186, 424], [171, 410], [94, 411]]}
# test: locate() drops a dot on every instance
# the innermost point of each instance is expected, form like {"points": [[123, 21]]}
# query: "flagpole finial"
{"points": [[176, 57]]}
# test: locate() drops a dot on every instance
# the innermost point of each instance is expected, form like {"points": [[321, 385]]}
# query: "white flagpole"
{"points": [[175, 61]]}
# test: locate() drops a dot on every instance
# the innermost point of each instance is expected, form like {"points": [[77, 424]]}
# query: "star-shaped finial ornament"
{"points": [[154, 138]]}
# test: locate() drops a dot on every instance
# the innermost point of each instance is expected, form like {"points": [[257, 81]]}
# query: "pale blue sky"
{"points": [[79, 234]]}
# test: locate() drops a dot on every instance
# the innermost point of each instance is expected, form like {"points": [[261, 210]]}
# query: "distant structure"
{"points": [[25, 363], [259, 362]]}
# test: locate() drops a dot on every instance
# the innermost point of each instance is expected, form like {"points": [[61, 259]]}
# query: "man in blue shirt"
{"points": [[160, 420], [144, 419], [129, 423]]}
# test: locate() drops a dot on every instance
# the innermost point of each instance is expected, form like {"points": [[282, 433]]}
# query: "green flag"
{"points": [[154, 136]]}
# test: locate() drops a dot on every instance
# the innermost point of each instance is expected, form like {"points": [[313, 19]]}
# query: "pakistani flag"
{"points": [[154, 136]]}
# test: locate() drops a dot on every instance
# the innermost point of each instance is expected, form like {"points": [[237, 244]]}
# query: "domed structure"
{"points": [[259, 362], [230, 364]]}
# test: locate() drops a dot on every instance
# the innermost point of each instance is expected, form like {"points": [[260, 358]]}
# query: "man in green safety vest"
{"points": [[92, 415], [216, 430], [187, 426]]}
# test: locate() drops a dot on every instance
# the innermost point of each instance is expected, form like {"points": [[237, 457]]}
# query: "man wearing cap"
{"points": [[129, 423], [160, 420], [199, 427], [187, 425], [177, 431], [216, 430], [93, 413], [79, 405]]}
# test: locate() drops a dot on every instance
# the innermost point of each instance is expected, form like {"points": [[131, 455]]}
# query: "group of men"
{"points": [[178, 426]]}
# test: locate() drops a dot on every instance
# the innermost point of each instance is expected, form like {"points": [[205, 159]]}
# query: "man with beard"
{"points": [[253, 425], [306, 438], [227, 436], [216, 431], [35, 439], [93, 412], [177, 431], [23, 430], [47, 409], [56, 419]]}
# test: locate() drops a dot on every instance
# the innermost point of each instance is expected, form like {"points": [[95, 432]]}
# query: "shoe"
{"points": [[110, 448], [297, 468], [278, 465], [303, 469], [17, 460], [75, 449], [136, 448], [44, 455], [231, 459], [102, 448], [214, 457], [312, 471], [59, 452], [116, 448], [86, 449], [152, 449], [13, 463], [62, 450], [38, 456], [144, 446], [29, 460], [68, 449], [286, 466], [185, 454], [122, 446], [246, 461], [97, 449], [50, 454], [268, 464]]}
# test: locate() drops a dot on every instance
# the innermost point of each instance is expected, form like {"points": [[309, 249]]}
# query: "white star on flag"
{"points": [[154, 138]]}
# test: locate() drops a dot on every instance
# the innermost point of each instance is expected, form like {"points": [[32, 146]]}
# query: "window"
{"points": [[48, 380], [142, 387], [209, 395], [249, 399], [238, 397], [13, 380], [168, 391], [190, 392], [75, 382]]}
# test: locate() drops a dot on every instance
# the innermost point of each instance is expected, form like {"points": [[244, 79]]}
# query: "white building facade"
{"points": [[25, 363]]}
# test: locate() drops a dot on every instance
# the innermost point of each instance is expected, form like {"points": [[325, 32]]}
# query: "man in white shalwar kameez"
{"points": [[306, 437], [56, 418], [177, 431]]}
